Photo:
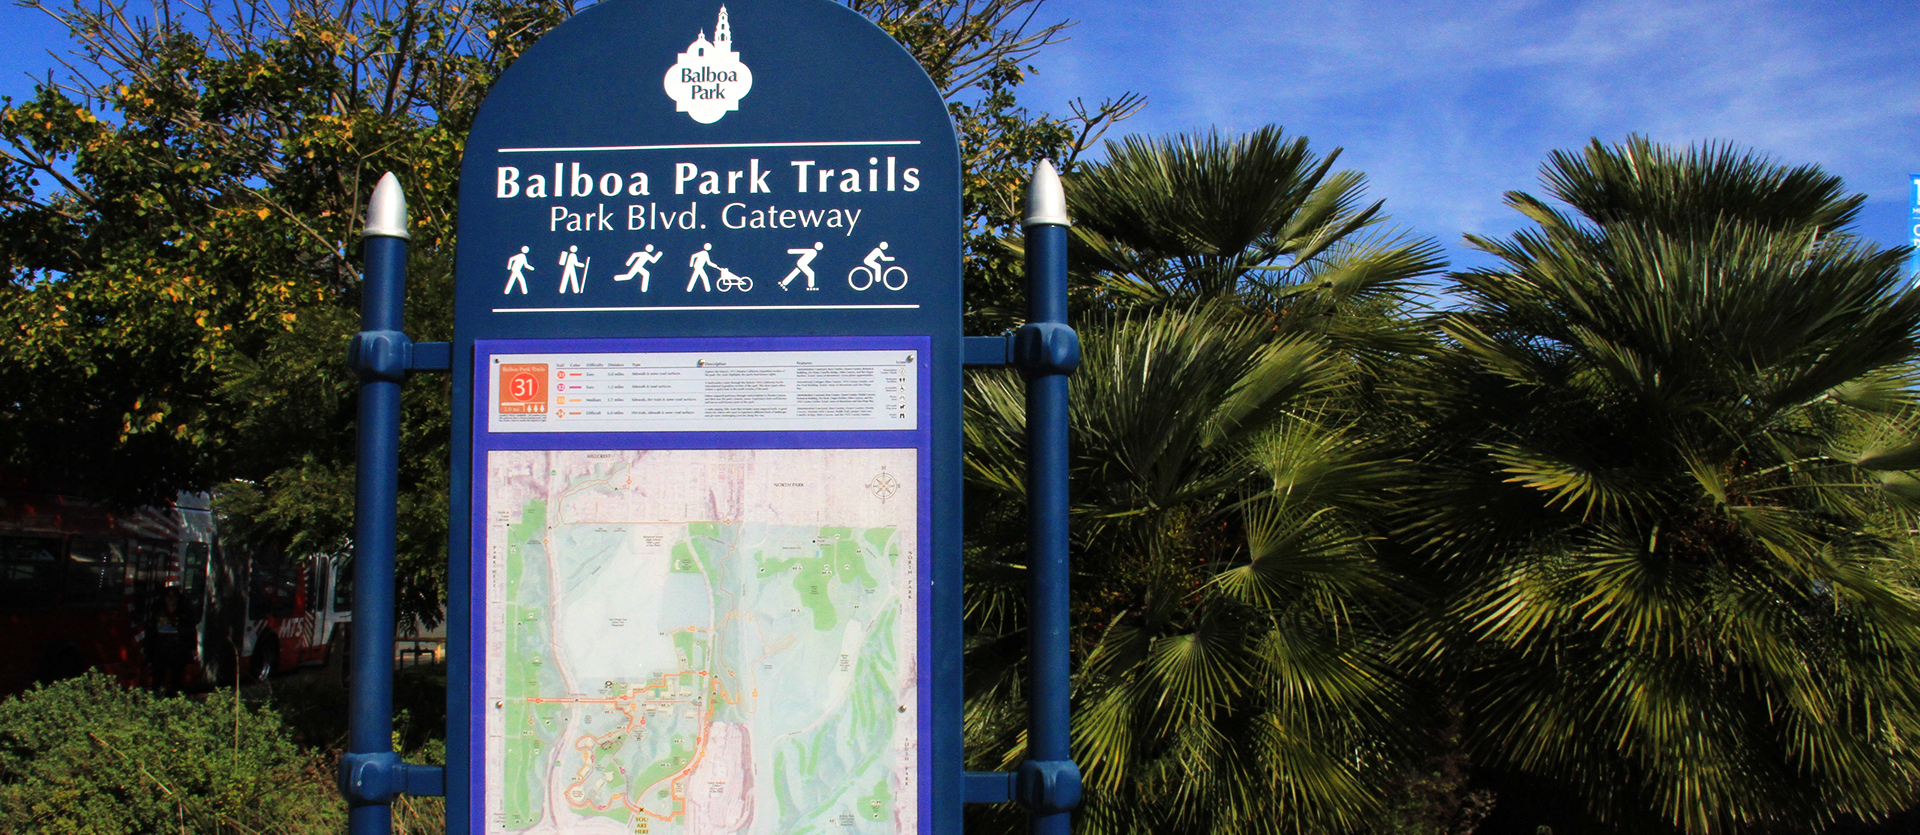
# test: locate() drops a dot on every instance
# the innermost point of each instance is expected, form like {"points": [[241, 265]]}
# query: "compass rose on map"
{"points": [[884, 485]]}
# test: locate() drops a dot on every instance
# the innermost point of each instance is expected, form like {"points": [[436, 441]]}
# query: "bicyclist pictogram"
{"points": [[874, 271]]}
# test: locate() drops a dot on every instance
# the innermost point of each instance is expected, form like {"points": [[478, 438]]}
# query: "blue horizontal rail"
{"points": [[988, 351], [989, 786]]}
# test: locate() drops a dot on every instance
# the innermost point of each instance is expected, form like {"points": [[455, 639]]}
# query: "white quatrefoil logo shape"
{"points": [[709, 81]]}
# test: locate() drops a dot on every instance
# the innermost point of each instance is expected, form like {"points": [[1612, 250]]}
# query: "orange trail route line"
{"points": [[586, 743]]}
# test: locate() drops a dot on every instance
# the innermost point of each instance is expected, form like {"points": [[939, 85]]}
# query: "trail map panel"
{"points": [[702, 641]]}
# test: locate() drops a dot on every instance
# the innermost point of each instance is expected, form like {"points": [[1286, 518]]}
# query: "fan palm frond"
{"points": [[1671, 514]]}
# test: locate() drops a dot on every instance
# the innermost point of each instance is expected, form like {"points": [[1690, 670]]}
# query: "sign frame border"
{"points": [[466, 612]]}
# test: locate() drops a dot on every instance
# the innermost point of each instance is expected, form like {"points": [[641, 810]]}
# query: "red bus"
{"points": [[299, 613], [84, 587]]}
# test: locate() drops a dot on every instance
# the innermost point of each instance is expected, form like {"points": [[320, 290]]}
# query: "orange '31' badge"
{"points": [[523, 389]]}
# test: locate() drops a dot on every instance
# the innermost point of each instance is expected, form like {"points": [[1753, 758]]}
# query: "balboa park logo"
{"points": [[709, 81]]}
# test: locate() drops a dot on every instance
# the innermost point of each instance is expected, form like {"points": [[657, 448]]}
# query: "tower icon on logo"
{"points": [[709, 81]]}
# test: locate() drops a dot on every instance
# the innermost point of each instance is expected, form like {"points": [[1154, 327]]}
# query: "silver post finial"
{"points": [[1046, 201], [387, 210]]}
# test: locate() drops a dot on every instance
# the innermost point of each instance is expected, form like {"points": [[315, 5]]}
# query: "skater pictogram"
{"points": [[800, 267]]}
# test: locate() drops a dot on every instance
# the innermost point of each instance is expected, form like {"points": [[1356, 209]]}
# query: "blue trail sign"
{"points": [[1913, 222], [706, 372]]}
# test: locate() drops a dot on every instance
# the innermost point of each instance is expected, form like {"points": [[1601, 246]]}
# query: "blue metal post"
{"points": [[380, 355], [1046, 351]]}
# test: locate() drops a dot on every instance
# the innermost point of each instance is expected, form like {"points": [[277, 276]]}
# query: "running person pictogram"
{"points": [[638, 263]]}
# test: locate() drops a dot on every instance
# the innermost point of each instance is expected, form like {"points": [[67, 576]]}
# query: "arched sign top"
{"points": [[661, 166], [773, 70], [707, 475]]}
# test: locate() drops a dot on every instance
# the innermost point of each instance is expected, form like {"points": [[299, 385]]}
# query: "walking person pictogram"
{"points": [[699, 262], [516, 266], [800, 267], [728, 280], [569, 277], [638, 262]]}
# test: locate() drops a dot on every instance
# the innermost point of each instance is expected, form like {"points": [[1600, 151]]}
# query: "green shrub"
{"points": [[87, 755], [313, 707]]}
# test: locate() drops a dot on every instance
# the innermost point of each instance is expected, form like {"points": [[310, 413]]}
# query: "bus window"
{"points": [[155, 563], [97, 576], [343, 584], [274, 584], [29, 571], [194, 575], [260, 591], [153, 566]]}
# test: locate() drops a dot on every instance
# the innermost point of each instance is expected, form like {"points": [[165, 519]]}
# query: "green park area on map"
{"points": [[719, 672]]}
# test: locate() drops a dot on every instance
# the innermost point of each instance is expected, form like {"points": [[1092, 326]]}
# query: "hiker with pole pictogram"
{"points": [[575, 274]]}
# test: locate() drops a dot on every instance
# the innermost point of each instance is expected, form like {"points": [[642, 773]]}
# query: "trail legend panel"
{"points": [[755, 391]]}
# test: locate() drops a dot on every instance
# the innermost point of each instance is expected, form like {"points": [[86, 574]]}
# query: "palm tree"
{"points": [[1234, 623], [1258, 218], [1666, 506]]}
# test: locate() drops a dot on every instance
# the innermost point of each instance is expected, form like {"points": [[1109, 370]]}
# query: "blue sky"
{"points": [[1446, 105]]}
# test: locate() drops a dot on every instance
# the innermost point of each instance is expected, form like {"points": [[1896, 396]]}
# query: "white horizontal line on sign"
{"points": [[579, 149], [716, 307]]}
